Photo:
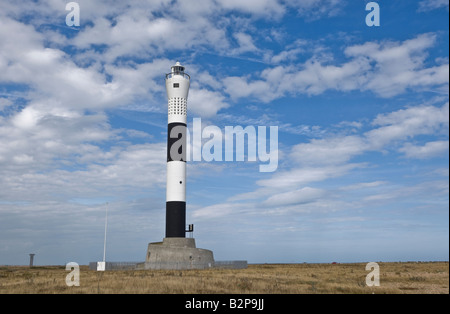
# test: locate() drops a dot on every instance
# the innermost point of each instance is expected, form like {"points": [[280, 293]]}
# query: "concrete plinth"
{"points": [[177, 253]]}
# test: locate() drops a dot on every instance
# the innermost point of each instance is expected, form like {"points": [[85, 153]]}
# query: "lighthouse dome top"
{"points": [[177, 69]]}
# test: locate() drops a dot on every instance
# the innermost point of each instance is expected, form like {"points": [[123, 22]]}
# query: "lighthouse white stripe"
{"points": [[176, 181]]}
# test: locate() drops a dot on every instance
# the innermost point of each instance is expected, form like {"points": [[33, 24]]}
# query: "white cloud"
{"points": [[205, 103], [220, 210], [4, 103], [50, 73], [245, 43], [138, 34], [51, 138], [389, 130], [387, 69], [400, 66], [364, 185], [313, 9], [238, 87], [428, 5], [258, 7], [321, 160], [436, 190], [27, 118], [301, 196], [407, 123], [124, 172], [329, 151], [429, 150], [300, 176], [290, 53]]}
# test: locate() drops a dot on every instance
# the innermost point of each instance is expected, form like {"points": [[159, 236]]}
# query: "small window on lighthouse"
{"points": [[176, 85]]}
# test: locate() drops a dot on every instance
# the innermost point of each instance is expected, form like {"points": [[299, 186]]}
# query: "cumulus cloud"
{"points": [[400, 66], [387, 69], [389, 130], [291, 188], [51, 74], [206, 103], [245, 43], [105, 176], [49, 138], [430, 149], [406, 124], [335, 150]]}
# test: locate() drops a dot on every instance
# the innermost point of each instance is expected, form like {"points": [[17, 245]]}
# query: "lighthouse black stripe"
{"points": [[175, 219], [176, 142]]}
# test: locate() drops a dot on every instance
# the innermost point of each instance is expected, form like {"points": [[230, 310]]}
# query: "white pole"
{"points": [[106, 224]]}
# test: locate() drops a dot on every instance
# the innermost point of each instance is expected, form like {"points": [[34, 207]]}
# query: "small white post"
{"points": [[106, 225], [101, 266]]}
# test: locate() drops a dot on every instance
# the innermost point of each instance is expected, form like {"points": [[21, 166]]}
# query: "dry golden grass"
{"points": [[426, 277]]}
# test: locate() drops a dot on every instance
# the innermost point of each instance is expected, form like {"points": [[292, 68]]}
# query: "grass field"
{"points": [[395, 278]]}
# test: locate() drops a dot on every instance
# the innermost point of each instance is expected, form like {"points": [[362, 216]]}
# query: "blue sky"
{"points": [[362, 117]]}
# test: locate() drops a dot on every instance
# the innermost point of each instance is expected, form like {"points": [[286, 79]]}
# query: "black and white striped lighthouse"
{"points": [[177, 87], [177, 251]]}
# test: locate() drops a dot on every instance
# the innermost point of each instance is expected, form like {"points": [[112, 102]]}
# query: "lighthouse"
{"points": [[176, 251], [177, 87]]}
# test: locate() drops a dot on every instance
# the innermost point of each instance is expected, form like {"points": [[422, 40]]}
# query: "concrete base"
{"points": [[177, 253]]}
